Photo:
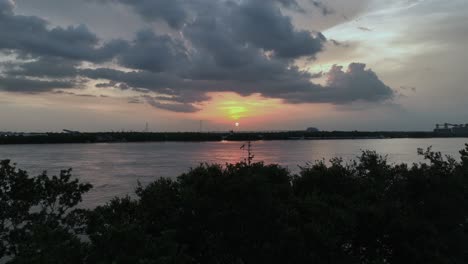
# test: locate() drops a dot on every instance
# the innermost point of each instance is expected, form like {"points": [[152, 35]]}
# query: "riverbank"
{"points": [[109, 137]]}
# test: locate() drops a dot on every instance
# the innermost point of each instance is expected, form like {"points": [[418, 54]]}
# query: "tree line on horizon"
{"points": [[365, 211], [89, 137]]}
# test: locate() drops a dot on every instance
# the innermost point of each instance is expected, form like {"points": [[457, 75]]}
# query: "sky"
{"points": [[113, 65]]}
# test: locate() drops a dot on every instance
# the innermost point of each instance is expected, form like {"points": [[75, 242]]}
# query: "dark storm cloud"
{"points": [[157, 82], [24, 85], [6, 7], [187, 88], [171, 11], [245, 47], [154, 53], [355, 84], [178, 12], [30, 35], [264, 26], [43, 67]]}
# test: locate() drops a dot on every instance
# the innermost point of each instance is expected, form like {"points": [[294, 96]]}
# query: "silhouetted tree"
{"points": [[366, 211], [37, 217]]}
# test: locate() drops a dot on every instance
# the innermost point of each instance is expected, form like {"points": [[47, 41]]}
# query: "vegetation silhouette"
{"points": [[366, 211], [59, 138]]}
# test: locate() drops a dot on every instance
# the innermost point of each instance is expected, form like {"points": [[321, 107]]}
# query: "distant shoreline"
{"points": [[121, 137]]}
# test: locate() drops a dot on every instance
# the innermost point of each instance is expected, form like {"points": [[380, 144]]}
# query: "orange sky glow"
{"points": [[252, 112]]}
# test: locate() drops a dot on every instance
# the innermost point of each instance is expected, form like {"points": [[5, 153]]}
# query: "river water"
{"points": [[114, 169]]}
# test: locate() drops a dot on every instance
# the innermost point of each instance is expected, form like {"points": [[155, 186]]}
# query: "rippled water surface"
{"points": [[114, 169]]}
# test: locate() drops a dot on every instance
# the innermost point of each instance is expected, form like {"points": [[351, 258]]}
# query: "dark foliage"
{"points": [[367, 211], [37, 220]]}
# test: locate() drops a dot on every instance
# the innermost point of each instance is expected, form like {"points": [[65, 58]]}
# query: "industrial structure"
{"points": [[452, 129]]}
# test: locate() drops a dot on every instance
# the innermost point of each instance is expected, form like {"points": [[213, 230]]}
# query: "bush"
{"points": [[367, 211]]}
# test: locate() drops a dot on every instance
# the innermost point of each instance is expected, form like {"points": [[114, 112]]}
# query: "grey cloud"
{"points": [[31, 35], [259, 23], [6, 7], [174, 107], [77, 94], [343, 87], [154, 53], [134, 100], [316, 75], [335, 42], [408, 88], [170, 11], [178, 12], [123, 86], [113, 84], [174, 85], [157, 82], [245, 47], [106, 85], [325, 10], [231, 45], [264, 26], [292, 4], [364, 28], [357, 83], [24, 85], [85, 95], [43, 67]]}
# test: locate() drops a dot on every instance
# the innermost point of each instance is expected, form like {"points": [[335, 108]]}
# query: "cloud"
{"points": [[170, 11], [24, 85], [364, 29], [154, 53], [247, 47], [32, 36], [325, 10], [342, 87], [43, 67], [174, 107], [178, 12], [408, 88], [339, 43], [157, 82], [6, 7], [291, 4], [357, 83], [264, 26], [134, 100]]}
